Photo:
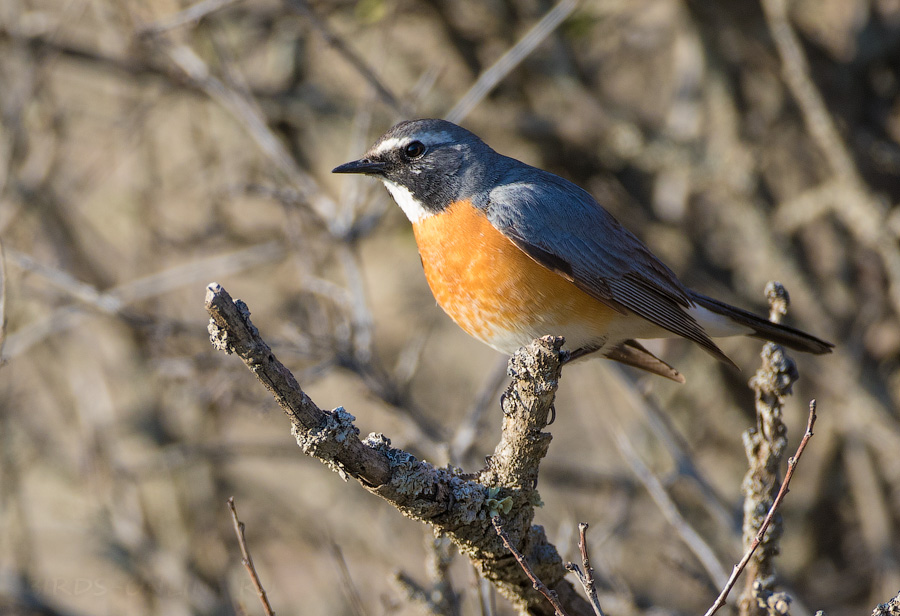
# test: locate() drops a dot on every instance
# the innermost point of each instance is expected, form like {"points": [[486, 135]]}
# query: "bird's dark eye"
{"points": [[414, 149]]}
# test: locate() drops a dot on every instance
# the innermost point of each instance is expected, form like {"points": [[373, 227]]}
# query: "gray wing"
{"points": [[563, 228]]}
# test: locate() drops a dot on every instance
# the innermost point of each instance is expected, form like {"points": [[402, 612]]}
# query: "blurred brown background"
{"points": [[144, 153]]}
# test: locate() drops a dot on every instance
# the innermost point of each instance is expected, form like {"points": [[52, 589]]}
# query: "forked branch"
{"points": [[460, 506]]}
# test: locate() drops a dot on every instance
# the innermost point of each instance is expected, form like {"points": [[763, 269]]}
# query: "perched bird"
{"points": [[512, 253]]}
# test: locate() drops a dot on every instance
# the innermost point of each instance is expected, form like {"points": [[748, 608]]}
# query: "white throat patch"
{"points": [[407, 202]]}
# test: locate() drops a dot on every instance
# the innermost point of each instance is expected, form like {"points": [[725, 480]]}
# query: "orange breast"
{"points": [[496, 292]]}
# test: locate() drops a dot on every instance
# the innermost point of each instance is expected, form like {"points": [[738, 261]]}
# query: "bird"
{"points": [[512, 253]]}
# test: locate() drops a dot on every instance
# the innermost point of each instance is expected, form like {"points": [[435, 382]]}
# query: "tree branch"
{"points": [[442, 497], [329, 436], [247, 560], [761, 533], [765, 447], [586, 577]]}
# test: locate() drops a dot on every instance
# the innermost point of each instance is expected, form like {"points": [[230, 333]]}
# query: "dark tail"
{"points": [[766, 330]]}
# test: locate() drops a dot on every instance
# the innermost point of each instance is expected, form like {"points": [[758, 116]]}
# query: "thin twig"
{"points": [[659, 422], [361, 316], [586, 576], [414, 592], [113, 300], [351, 56], [796, 73], [792, 464], [857, 208], [245, 109], [409, 358], [191, 15], [508, 61], [359, 608], [247, 560], [689, 536], [83, 292], [437, 598], [535, 580], [2, 299]]}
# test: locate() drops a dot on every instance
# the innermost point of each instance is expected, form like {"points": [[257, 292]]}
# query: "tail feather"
{"points": [[632, 353], [766, 330]]}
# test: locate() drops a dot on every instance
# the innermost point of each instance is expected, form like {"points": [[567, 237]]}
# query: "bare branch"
{"points": [[658, 421], [765, 449], [245, 109], [510, 60], [460, 507], [356, 602], [535, 580], [351, 56], [858, 209], [247, 560], [113, 300], [190, 15], [586, 576], [782, 492], [337, 445], [797, 75], [891, 608], [689, 536]]}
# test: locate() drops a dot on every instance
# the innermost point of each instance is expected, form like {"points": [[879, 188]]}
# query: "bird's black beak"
{"points": [[363, 165]]}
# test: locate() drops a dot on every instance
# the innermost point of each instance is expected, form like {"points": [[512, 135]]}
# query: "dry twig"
{"points": [[508, 61], [113, 300], [765, 447], [351, 56], [686, 532], [190, 15], [535, 580], [356, 602], [782, 492], [859, 210], [247, 560], [586, 576]]}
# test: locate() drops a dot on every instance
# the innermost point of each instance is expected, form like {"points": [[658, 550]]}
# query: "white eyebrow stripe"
{"points": [[427, 138], [387, 145]]}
